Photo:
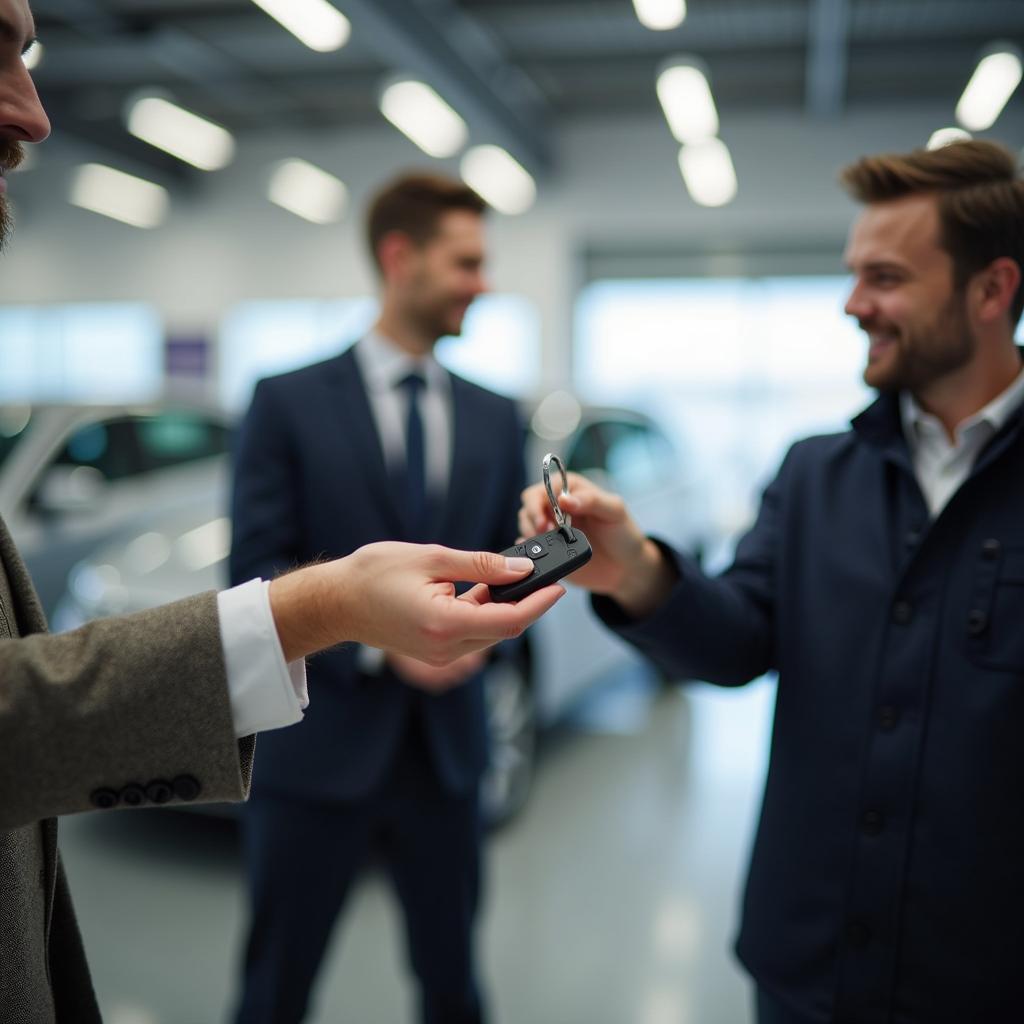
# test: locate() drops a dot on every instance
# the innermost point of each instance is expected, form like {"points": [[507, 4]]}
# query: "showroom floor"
{"points": [[612, 899]]}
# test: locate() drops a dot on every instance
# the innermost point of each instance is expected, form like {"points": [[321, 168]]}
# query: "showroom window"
{"points": [[499, 347], [95, 352], [734, 369]]}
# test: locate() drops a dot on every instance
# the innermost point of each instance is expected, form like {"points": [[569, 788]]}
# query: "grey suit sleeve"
{"points": [[139, 700]]}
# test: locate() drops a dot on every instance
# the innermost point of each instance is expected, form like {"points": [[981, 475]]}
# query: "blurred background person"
{"points": [[379, 442], [160, 708]]}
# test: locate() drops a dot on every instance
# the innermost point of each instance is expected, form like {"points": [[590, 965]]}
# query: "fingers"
{"points": [[478, 566], [584, 499], [476, 617]]}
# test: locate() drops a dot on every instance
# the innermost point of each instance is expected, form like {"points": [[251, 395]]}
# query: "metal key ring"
{"points": [[561, 519]]}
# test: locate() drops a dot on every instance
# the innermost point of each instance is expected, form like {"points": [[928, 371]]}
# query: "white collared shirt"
{"points": [[941, 467], [384, 366]]}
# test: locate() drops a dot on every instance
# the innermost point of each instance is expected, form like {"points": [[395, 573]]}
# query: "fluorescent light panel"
{"points": [[181, 133], [708, 172], [991, 85], [314, 22], [944, 136], [422, 115], [686, 99], [499, 179], [660, 15], [308, 192], [121, 196]]}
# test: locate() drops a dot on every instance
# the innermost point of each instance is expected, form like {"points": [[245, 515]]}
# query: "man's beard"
{"points": [[11, 155], [926, 354]]}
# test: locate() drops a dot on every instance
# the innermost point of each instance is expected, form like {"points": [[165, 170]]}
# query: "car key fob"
{"points": [[553, 554]]}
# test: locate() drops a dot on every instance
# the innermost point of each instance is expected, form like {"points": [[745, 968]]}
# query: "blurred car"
{"points": [[179, 549], [75, 477]]}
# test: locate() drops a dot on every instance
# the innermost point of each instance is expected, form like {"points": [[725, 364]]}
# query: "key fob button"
{"points": [[536, 551]]}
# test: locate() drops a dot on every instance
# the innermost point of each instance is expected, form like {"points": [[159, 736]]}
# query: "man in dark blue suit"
{"points": [[377, 443], [884, 581]]}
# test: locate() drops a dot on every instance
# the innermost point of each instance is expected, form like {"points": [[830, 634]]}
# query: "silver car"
{"points": [[179, 546], [74, 478]]}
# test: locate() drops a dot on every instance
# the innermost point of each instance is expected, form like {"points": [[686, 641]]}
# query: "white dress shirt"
{"points": [[942, 466], [265, 693], [383, 366]]}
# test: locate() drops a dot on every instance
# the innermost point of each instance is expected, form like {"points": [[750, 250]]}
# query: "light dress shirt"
{"points": [[265, 693], [383, 366], [942, 466]]}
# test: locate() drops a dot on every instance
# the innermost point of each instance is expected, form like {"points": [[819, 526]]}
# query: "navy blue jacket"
{"points": [[311, 483], [887, 878]]}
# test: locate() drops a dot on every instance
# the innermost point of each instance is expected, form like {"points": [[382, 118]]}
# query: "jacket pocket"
{"points": [[995, 621]]}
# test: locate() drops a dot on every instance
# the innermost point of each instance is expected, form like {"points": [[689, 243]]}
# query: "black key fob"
{"points": [[554, 555]]}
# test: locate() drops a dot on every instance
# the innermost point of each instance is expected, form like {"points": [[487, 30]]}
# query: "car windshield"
{"points": [[14, 425]]}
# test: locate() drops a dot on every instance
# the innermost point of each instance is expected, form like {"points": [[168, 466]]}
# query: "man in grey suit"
{"points": [[161, 706]]}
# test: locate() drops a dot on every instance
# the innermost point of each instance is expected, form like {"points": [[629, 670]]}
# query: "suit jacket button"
{"points": [[159, 791], [990, 548], [977, 620], [187, 787], [133, 795], [902, 612], [104, 799]]}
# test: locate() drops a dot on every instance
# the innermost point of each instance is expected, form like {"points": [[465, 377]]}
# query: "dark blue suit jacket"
{"points": [[311, 483], [887, 877]]}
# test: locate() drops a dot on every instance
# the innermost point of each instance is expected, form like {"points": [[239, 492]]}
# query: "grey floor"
{"points": [[612, 900]]}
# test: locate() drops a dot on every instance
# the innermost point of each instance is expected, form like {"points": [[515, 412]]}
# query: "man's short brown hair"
{"points": [[414, 204], [980, 200]]}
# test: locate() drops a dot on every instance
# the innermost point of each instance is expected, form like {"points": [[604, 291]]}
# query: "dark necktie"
{"points": [[415, 460]]}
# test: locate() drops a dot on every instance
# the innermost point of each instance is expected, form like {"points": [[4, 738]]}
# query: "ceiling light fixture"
{"points": [[660, 15], [686, 99], [945, 136], [307, 191], [991, 85], [121, 196], [181, 133], [708, 171], [420, 114], [314, 22], [499, 179]]}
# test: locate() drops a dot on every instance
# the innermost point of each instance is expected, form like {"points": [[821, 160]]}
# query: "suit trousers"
{"points": [[304, 857]]}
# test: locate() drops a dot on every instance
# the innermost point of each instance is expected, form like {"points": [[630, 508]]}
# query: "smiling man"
{"points": [[161, 707], [884, 581]]}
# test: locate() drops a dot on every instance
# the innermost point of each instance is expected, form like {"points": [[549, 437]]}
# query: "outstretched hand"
{"points": [[402, 598], [626, 565]]}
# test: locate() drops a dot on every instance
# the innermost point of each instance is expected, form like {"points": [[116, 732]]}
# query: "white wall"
{"points": [[616, 185]]}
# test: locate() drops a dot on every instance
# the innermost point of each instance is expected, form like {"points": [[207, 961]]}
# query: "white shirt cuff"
{"points": [[265, 693]]}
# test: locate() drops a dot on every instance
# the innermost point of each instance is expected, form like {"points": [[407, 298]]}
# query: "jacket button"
{"points": [[888, 717], [133, 795], [902, 612], [977, 620], [990, 548], [104, 799], [159, 791], [858, 934], [913, 537], [186, 787], [872, 823]]}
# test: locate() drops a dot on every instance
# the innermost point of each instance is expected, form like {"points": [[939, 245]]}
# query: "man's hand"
{"points": [[401, 598], [626, 565], [431, 678]]}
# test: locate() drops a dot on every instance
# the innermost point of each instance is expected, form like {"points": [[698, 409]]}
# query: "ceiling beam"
{"points": [[827, 40], [496, 98]]}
